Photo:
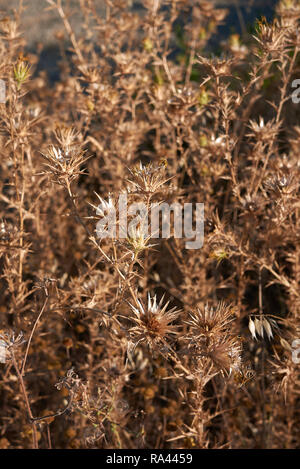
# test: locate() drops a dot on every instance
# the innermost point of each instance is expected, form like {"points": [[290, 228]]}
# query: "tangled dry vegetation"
{"points": [[116, 343]]}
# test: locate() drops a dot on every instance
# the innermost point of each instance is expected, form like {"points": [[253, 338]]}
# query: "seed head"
{"points": [[152, 322], [260, 325], [210, 321], [148, 179]]}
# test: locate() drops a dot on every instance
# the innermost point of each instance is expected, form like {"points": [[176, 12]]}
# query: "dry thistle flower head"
{"points": [[271, 37], [281, 184], [263, 131], [288, 11], [217, 66], [12, 341], [148, 179], [137, 240], [10, 29], [152, 322], [210, 321], [64, 164], [210, 338], [67, 137], [105, 208], [106, 214], [184, 97], [8, 232], [225, 354], [69, 381]]}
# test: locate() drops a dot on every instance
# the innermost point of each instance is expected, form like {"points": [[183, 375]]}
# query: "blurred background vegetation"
{"points": [[42, 26]]}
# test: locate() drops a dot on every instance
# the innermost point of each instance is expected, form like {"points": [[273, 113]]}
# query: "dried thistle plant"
{"points": [[142, 109]]}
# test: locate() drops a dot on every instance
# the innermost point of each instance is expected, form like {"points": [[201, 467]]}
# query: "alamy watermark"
{"points": [[2, 91], [121, 220], [296, 92], [3, 346], [296, 351]]}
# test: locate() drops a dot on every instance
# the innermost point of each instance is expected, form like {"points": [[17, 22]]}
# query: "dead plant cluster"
{"points": [[134, 342]]}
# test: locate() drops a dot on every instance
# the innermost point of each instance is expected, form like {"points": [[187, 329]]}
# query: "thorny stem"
{"points": [[21, 203], [191, 62], [49, 437], [260, 305], [31, 335], [92, 238], [55, 414], [283, 98], [168, 73], [68, 28], [25, 395]]}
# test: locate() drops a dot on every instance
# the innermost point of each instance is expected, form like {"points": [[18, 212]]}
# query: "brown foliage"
{"points": [[150, 344]]}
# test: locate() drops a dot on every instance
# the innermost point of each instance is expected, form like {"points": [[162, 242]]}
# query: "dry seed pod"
{"points": [[252, 330], [259, 327], [285, 344], [268, 328]]}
